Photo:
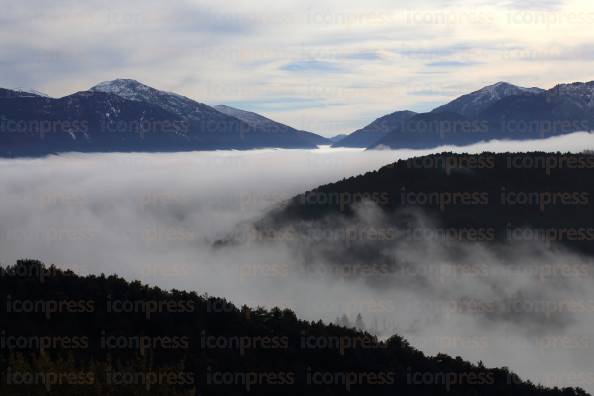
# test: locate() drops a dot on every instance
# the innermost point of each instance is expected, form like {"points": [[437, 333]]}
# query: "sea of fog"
{"points": [[153, 217]]}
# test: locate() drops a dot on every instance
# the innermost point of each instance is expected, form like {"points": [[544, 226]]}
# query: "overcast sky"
{"points": [[330, 66]]}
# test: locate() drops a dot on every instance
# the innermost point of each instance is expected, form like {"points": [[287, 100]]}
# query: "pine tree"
{"points": [[359, 324]]}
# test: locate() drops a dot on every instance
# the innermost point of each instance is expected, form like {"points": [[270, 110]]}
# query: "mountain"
{"points": [[337, 138], [30, 91], [171, 102], [113, 337], [563, 109], [548, 193], [17, 93], [86, 122], [259, 127], [500, 111], [573, 97], [373, 132], [265, 124], [472, 104], [404, 126], [434, 129], [124, 115]]}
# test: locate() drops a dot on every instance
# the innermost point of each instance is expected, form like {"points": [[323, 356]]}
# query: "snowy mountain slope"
{"points": [[30, 91], [174, 103], [472, 104], [499, 111], [267, 132], [17, 93], [578, 95], [125, 115]]}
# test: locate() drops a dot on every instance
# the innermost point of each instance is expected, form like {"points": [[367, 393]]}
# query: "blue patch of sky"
{"points": [[451, 64], [312, 66]]}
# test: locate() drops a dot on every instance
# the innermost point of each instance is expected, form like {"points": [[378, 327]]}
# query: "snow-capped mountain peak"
{"points": [[133, 90], [502, 89], [473, 103], [126, 88]]}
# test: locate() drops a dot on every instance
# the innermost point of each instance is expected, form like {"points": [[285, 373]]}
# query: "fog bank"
{"points": [[154, 217]]}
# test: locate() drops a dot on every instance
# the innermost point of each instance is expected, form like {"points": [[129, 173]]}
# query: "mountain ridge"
{"points": [[471, 104], [261, 122], [376, 130], [288, 360], [126, 115], [498, 111], [492, 112]]}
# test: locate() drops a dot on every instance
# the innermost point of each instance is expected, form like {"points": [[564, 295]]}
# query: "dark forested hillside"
{"points": [[529, 197], [64, 334]]}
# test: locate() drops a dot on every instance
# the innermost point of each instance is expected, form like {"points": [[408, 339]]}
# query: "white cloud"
{"points": [[153, 217]]}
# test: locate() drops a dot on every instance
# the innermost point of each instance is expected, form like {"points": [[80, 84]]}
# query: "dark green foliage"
{"points": [[67, 305], [554, 195]]}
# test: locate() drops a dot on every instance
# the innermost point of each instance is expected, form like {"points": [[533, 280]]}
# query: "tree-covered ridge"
{"points": [[510, 196], [101, 335]]}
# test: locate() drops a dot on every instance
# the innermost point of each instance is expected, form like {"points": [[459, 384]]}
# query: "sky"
{"points": [[329, 66]]}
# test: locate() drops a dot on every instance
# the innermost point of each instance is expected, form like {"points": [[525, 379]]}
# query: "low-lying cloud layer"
{"points": [[154, 217]]}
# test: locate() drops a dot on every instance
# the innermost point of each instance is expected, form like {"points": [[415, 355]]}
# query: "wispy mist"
{"points": [[154, 217]]}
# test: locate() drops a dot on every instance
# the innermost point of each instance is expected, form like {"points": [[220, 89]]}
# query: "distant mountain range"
{"points": [[125, 115], [498, 111]]}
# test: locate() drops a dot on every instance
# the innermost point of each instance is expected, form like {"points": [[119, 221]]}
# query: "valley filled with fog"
{"points": [[155, 217]]}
